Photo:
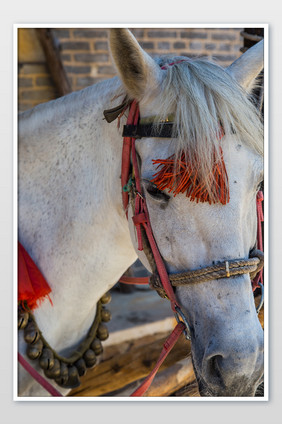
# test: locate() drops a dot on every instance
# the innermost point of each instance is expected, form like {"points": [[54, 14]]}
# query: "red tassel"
{"points": [[32, 286], [184, 178]]}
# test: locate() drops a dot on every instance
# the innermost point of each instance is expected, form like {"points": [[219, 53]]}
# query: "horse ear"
{"points": [[248, 66], [137, 70]]}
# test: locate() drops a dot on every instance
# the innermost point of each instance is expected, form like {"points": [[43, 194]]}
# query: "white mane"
{"points": [[203, 98]]}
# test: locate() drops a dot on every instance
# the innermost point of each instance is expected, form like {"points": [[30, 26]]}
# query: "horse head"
{"points": [[200, 186]]}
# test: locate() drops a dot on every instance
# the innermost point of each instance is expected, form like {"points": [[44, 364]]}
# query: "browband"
{"points": [[163, 130]]}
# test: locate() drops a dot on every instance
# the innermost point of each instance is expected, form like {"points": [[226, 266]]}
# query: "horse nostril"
{"points": [[214, 368]]}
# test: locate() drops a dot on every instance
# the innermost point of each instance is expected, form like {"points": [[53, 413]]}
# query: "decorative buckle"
{"points": [[227, 269], [127, 187], [179, 314]]}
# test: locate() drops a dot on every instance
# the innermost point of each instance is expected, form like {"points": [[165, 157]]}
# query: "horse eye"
{"points": [[157, 194]]}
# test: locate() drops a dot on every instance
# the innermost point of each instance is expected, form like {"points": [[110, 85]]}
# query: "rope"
{"points": [[223, 269]]}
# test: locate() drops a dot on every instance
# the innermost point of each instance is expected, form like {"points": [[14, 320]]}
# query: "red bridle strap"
{"points": [[259, 277], [126, 152], [141, 219], [141, 215], [168, 345], [41, 380]]}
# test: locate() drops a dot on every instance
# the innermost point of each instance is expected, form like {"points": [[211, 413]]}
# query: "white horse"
{"points": [[73, 224]]}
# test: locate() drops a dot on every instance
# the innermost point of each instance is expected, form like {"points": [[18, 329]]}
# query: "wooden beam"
{"points": [[165, 383], [172, 379], [135, 364], [54, 61]]}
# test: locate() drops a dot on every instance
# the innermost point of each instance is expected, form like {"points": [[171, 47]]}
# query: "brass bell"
{"points": [[73, 378], [47, 359], [106, 298], [97, 347], [34, 351], [81, 367], [22, 319], [31, 333], [64, 375], [90, 358], [55, 371], [106, 315], [102, 332]]}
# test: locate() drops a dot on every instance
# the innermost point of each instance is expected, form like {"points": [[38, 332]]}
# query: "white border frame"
{"points": [[266, 210]]}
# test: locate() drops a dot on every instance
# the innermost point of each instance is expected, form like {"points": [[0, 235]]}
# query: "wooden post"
{"points": [[54, 61]]}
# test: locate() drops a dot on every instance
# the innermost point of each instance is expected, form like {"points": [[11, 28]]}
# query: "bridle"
{"points": [[131, 183], [160, 280]]}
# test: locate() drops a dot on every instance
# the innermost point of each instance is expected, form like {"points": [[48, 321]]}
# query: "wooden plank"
{"points": [[128, 367], [165, 383], [53, 60], [172, 379]]}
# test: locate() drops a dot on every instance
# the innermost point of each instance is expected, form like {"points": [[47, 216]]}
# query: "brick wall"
{"points": [[86, 59]]}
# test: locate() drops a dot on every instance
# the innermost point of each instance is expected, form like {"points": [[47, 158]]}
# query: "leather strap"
{"points": [[168, 345], [141, 208], [134, 280], [126, 153], [41, 380], [141, 219], [259, 277]]}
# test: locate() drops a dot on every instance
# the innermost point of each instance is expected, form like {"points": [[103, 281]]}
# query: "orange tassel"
{"points": [[185, 179]]}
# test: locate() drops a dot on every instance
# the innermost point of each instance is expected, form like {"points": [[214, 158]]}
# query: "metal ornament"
{"points": [[66, 372]]}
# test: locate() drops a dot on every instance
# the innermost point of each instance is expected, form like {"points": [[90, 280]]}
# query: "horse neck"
{"points": [[71, 218]]}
